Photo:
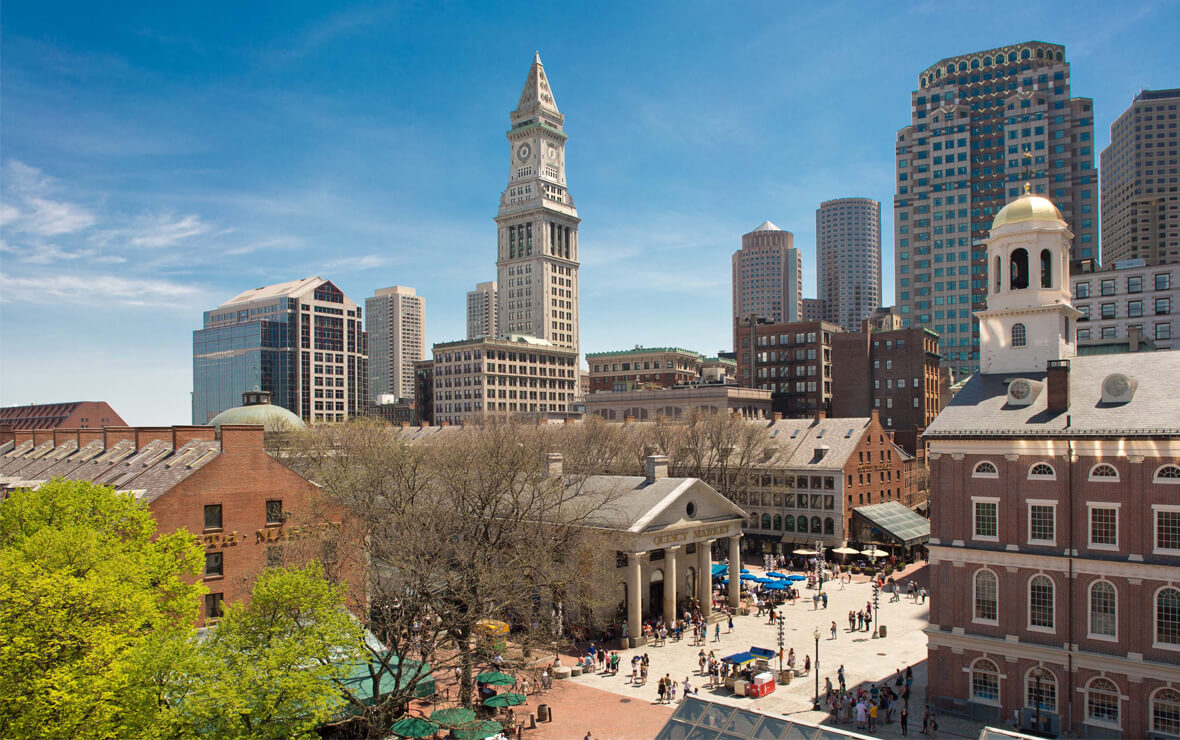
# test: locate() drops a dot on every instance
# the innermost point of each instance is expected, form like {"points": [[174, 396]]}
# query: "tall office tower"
{"points": [[848, 259], [767, 278], [1140, 217], [481, 311], [537, 263], [982, 124], [303, 341], [395, 320]]}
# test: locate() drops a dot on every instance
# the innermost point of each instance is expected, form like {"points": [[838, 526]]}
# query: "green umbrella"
{"points": [[452, 716], [505, 700], [414, 727], [479, 730], [496, 678]]}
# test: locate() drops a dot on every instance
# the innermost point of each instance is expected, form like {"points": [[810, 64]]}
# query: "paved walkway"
{"points": [[866, 660]]}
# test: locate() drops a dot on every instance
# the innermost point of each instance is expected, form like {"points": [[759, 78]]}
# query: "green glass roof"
{"points": [[698, 719], [897, 521]]}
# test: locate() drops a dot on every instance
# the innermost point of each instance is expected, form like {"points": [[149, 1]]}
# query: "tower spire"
{"points": [[537, 99]]}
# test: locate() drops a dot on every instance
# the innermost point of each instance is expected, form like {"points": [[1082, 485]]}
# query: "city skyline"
{"points": [[142, 182]]}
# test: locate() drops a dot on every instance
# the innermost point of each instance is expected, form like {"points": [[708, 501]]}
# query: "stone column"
{"points": [[705, 577], [670, 577], [634, 598], [735, 572]]}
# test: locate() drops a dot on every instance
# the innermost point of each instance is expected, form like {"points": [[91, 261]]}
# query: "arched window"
{"points": [[997, 278], [1040, 53], [1019, 335], [1165, 711], [816, 525], [1103, 610], [1167, 617], [766, 521], [985, 681], [829, 525], [753, 521], [1011, 56], [1040, 602], [1018, 269], [962, 66], [987, 605], [778, 522], [1046, 269], [1102, 701], [1104, 472], [801, 524], [1041, 689], [987, 61], [985, 469], [974, 64], [788, 523], [1041, 471], [1025, 54], [1167, 474]]}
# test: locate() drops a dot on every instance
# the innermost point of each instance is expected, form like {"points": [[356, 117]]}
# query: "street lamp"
{"points": [[815, 634], [1037, 673]]}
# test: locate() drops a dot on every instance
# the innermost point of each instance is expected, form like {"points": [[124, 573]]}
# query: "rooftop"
{"points": [[291, 287], [645, 351]]}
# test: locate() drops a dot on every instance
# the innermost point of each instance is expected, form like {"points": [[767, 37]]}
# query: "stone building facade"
{"points": [[793, 361], [848, 260], [1128, 295], [643, 368]]}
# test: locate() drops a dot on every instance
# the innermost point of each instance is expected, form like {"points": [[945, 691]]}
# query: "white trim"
{"points": [[1155, 621], [1151, 709], [1103, 478], [974, 595], [975, 473], [1155, 529], [976, 500], [1029, 682], [970, 670], [1086, 706], [1155, 477], [1028, 604], [1090, 634], [1028, 511], [1090, 507], [1041, 476], [1040, 447]]}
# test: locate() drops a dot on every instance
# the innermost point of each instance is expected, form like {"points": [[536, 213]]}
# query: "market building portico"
{"points": [[664, 531]]}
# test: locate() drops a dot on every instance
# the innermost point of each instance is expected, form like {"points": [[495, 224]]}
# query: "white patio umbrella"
{"points": [[846, 551], [873, 552], [804, 551]]}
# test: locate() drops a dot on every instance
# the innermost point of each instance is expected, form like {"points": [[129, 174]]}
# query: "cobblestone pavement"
{"points": [[866, 660]]}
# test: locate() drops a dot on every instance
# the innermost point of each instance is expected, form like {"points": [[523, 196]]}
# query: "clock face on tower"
{"points": [[523, 151]]}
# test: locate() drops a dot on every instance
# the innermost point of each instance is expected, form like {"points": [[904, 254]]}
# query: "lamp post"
{"points": [[815, 704], [1037, 673]]}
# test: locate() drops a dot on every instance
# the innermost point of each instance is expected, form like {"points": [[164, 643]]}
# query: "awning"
{"points": [[739, 658], [763, 653], [891, 521], [360, 680]]}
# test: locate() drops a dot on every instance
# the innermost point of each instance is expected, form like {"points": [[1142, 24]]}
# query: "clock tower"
{"points": [[537, 259]]}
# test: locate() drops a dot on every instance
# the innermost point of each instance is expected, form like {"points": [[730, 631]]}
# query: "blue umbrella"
{"points": [[796, 577], [725, 581], [775, 586], [745, 571], [765, 580], [719, 568], [747, 577], [775, 575]]}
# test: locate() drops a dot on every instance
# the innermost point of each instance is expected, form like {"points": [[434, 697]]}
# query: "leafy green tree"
{"points": [[88, 597], [268, 668]]}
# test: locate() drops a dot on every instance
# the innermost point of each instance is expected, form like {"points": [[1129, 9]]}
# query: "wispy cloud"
{"points": [[29, 209], [156, 231], [95, 289], [353, 264], [325, 31]]}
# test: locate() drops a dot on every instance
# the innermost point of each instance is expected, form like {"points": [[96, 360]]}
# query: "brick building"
{"points": [[1055, 543], [247, 509], [895, 372], [793, 361], [69, 415], [643, 368], [679, 402]]}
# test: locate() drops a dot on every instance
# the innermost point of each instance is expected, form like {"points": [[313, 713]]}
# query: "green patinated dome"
{"points": [[257, 409]]}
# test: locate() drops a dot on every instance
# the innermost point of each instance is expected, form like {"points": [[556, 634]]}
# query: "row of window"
{"points": [[274, 514], [1161, 307], [1100, 472], [801, 524], [1102, 608], [1103, 697], [1103, 527], [1163, 281]]}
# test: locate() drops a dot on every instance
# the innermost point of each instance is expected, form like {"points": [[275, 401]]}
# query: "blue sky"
{"points": [[158, 158]]}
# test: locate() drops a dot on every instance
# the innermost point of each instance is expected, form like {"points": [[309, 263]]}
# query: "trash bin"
{"points": [[881, 630], [543, 713]]}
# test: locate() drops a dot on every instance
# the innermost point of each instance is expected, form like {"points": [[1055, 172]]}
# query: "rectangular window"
{"points": [[987, 524], [1042, 523], [213, 516], [1135, 284], [1104, 527], [274, 511], [1163, 331], [1167, 529], [1107, 287], [213, 564], [213, 606], [1163, 306], [1163, 281], [1108, 310], [1082, 290], [1134, 309]]}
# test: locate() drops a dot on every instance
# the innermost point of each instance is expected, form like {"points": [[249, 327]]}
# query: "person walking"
{"points": [[717, 632], [840, 677], [904, 720], [833, 629], [824, 597], [671, 688], [730, 623], [661, 689]]}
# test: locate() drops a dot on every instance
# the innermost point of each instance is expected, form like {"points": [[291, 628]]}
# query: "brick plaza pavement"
{"points": [[866, 660]]}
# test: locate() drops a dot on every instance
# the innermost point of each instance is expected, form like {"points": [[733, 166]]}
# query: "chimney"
{"points": [[61, 436], [114, 435], [657, 467], [182, 435], [405, 425], [424, 423], [144, 435], [237, 437], [820, 415], [628, 419], [5, 433], [445, 424], [553, 461], [777, 416], [568, 420], [1058, 386], [875, 415], [1134, 338], [41, 436]]}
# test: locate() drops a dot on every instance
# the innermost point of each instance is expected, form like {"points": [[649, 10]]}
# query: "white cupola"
{"points": [[1029, 319]]}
